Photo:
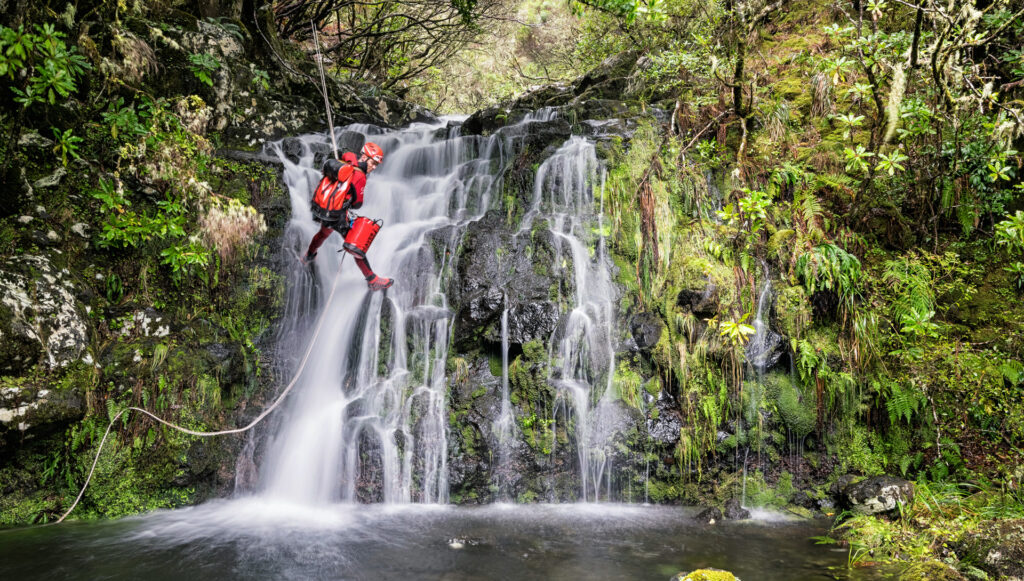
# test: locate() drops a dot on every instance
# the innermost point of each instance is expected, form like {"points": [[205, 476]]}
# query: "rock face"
{"points": [[878, 494], [702, 302], [39, 316], [646, 329], [33, 412], [495, 271], [665, 428], [598, 95], [766, 349]]}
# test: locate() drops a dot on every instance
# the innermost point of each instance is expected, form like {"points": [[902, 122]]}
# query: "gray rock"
{"points": [[733, 510], [51, 180], [878, 494], [665, 429], [646, 329], [32, 140], [39, 316], [702, 302]]}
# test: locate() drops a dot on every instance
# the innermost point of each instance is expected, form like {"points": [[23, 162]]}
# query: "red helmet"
{"points": [[373, 151]]}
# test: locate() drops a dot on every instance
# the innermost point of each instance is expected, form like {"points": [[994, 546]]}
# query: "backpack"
{"points": [[328, 204]]}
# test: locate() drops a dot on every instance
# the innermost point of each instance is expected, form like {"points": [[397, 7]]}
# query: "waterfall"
{"points": [[506, 422], [759, 345], [369, 418], [564, 190]]}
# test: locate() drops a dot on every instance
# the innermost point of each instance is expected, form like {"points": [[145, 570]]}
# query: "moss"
{"points": [[660, 491], [793, 310], [708, 575], [799, 413]]}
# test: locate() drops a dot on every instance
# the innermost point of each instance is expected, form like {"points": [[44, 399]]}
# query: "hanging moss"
{"points": [[799, 414]]}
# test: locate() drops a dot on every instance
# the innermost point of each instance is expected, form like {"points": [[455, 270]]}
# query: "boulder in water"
{"points": [[734, 510], [878, 494], [709, 515], [706, 575]]}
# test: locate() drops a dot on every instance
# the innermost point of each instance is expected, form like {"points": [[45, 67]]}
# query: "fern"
{"points": [[829, 267], [901, 402], [1012, 370], [911, 281], [835, 181], [807, 359], [112, 409]]}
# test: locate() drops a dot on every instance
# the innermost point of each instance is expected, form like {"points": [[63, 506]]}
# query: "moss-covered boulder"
{"points": [[706, 575]]}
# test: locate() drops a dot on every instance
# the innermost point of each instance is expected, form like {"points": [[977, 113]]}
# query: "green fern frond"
{"points": [[1012, 370]]}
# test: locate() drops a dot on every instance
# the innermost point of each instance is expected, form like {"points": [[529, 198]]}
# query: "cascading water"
{"points": [[564, 191], [369, 419], [760, 345]]}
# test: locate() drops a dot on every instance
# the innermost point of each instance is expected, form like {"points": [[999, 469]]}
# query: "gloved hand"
{"points": [[331, 168]]}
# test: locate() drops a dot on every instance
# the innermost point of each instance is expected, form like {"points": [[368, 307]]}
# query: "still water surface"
{"points": [[253, 539]]}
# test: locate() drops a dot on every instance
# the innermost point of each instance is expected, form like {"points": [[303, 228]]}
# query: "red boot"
{"points": [[379, 283]]}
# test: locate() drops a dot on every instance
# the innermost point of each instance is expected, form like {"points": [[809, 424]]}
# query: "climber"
{"points": [[341, 189]]}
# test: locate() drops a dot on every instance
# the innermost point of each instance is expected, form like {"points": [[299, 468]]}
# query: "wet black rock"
{"points": [[529, 321], [709, 515], [494, 271], [733, 510], [702, 302], [765, 350], [646, 329], [877, 494], [34, 413], [666, 427]]}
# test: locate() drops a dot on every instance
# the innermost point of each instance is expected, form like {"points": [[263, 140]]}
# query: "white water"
{"points": [[363, 426], [368, 420], [564, 191], [759, 345]]}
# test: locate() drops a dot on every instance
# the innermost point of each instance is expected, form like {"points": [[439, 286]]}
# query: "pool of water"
{"points": [[253, 539]]}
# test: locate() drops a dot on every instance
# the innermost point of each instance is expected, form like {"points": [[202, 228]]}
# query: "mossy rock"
{"points": [[706, 575]]}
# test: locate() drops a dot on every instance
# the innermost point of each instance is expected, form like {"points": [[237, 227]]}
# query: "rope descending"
{"points": [[251, 425], [323, 88]]}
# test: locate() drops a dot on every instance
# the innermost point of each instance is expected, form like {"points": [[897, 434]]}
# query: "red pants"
{"points": [[322, 235]]}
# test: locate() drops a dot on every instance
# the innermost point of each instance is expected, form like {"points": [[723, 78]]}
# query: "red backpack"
{"points": [[329, 199]]}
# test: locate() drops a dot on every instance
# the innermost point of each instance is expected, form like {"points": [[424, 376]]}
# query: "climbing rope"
{"points": [[323, 88], [251, 425]]}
